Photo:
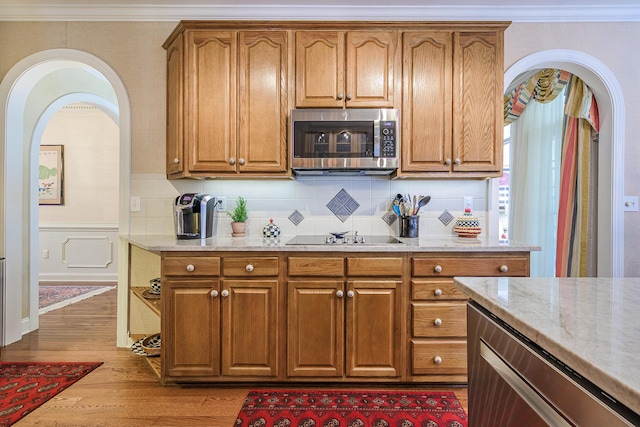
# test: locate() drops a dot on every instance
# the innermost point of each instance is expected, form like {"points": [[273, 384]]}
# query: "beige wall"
{"points": [[134, 50]]}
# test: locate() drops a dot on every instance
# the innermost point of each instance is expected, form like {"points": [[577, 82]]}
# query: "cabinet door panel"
{"points": [[370, 68], [262, 143], [373, 329], [175, 110], [477, 102], [315, 328], [190, 328], [319, 68], [249, 328], [211, 91], [426, 121]]}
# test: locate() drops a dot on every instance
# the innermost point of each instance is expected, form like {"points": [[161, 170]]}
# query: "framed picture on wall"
{"points": [[50, 174]]}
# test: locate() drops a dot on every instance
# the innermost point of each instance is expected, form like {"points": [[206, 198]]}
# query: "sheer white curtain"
{"points": [[536, 140]]}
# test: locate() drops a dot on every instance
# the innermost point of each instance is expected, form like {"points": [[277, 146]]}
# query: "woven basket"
{"points": [[151, 344]]}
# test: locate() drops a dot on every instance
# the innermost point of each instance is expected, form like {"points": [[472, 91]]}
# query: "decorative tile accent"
{"points": [[445, 217], [343, 205], [296, 217], [389, 217]]}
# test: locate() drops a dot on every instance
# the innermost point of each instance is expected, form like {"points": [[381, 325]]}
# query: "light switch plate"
{"points": [[631, 203]]}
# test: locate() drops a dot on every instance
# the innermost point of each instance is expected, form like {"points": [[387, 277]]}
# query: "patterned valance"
{"points": [[544, 87]]}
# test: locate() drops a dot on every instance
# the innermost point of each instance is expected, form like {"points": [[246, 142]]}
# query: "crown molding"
{"points": [[172, 13]]}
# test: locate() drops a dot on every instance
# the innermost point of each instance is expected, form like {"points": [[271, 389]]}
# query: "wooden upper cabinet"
{"points": [[211, 100], [175, 135], [263, 102], [336, 69], [227, 103], [452, 103], [426, 110], [478, 101]]}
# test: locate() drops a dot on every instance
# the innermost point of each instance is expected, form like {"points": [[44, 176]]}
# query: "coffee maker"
{"points": [[194, 216]]}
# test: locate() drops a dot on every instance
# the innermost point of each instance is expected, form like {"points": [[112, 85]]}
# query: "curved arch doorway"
{"points": [[608, 93], [29, 94]]}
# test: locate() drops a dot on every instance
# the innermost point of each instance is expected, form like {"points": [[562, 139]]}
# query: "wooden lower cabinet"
{"points": [[217, 328], [261, 317], [344, 330]]}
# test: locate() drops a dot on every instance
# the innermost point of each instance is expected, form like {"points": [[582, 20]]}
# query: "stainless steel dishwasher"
{"points": [[514, 382]]}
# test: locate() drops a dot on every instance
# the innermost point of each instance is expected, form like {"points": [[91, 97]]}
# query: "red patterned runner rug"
{"points": [[26, 385], [351, 408]]}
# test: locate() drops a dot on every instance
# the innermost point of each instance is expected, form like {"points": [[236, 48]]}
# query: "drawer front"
{"points": [[465, 265], [439, 357], [316, 266], [190, 266], [250, 266], [436, 290], [374, 266], [439, 320]]}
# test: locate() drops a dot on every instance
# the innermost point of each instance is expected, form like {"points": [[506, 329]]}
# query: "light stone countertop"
{"points": [[162, 243], [590, 324]]}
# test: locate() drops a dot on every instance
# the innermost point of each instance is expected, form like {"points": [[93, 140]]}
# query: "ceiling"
{"points": [[173, 10]]}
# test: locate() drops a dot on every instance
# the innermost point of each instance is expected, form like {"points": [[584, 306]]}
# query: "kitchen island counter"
{"points": [[588, 324], [165, 243]]}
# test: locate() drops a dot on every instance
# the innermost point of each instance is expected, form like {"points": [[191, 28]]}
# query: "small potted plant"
{"points": [[239, 217]]}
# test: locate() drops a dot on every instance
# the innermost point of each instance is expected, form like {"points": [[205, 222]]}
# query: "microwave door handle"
{"points": [[376, 138]]}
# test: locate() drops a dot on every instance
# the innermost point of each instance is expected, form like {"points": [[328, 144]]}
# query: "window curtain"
{"points": [[574, 238], [536, 142], [577, 208]]}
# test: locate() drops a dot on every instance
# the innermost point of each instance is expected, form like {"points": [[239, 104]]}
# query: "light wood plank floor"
{"points": [[123, 391]]}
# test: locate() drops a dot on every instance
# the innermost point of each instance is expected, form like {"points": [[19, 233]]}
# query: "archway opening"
{"points": [[30, 92]]}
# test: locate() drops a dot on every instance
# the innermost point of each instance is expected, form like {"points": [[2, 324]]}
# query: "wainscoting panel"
{"points": [[78, 253]]}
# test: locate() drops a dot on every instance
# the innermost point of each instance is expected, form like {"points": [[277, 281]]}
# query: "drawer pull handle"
{"points": [[437, 322], [232, 161], [214, 293], [438, 292], [249, 268], [351, 294], [176, 160], [339, 294], [438, 269], [504, 268], [190, 267], [224, 293], [437, 360]]}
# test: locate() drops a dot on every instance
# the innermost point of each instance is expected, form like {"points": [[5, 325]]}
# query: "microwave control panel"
{"points": [[388, 139]]}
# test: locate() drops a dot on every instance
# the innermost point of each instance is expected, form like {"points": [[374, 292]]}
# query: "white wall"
{"points": [[78, 239]]}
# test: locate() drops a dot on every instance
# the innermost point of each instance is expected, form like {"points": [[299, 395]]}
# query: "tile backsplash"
{"points": [[310, 205]]}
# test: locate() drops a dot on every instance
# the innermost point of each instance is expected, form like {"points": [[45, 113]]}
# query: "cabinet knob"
{"points": [[437, 360], [224, 293], [214, 293], [241, 161], [339, 293], [349, 97], [437, 322], [340, 96], [457, 162], [232, 161], [504, 268], [437, 269], [249, 268], [447, 162], [190, 267], [176, 160], [351, 294], [438, 292]]}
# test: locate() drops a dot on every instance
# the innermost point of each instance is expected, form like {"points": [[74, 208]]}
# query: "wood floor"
{"points": [[123, 391]]}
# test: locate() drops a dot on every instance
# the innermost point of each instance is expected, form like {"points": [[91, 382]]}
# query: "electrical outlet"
{"points": [[222, 204], [45, 254], [468, 202], [135, 203]]}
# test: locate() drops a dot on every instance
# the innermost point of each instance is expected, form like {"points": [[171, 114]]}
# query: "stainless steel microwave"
{"points": [[344, 141]]}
